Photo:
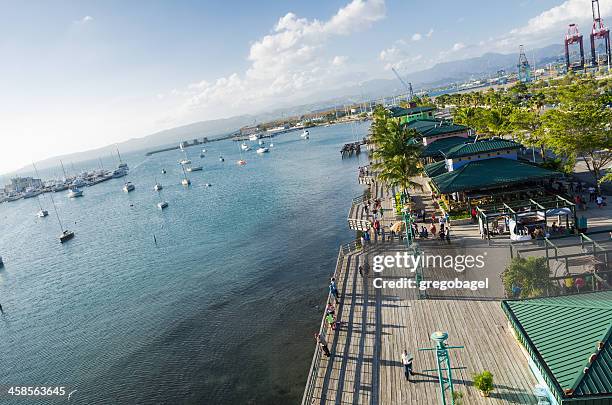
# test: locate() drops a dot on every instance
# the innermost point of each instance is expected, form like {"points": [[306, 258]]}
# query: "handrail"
{"points": [[316, 358]]}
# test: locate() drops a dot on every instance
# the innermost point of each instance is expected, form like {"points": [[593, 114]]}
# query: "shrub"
{"points": [[530, 274], [484, 382]]}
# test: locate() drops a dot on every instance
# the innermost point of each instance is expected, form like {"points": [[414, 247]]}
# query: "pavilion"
{"points": [[568, 344]]}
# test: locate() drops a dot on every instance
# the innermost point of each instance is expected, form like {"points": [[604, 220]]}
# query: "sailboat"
{"points": [[305, 134], [66, 234], [185, 181], [157, 186], [43, 212], [122, 164], [161, 204]]}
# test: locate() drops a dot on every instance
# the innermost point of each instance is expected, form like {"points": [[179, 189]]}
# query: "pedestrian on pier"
{"points": [[322, 343], [382, 211], [333, 289], [330, 309], [382, 232], [407, 362], [433, 230]]}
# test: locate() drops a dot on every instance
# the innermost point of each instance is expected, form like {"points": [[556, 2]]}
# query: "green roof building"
{"points": [[568, 343], [489, 174], [405, 115], [432, 130]]}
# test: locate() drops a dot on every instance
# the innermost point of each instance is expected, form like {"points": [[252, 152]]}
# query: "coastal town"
{"points": [[518, 176]]}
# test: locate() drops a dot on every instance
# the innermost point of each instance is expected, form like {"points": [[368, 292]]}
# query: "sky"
{"points": [[77, 75]]}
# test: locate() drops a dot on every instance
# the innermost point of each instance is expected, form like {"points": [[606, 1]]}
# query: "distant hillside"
{"points": [[438, 75]]}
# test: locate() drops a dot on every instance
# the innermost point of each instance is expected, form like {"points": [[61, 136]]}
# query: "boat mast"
{"points": [[184, 173], [63, 169], [38, 176], [57, 214], [118, 154]]}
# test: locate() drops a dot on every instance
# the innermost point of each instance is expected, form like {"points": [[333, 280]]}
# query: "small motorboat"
{"points": [[253, 137], [241, 162], [305, 134], [185, 182], [163, 204], [207, 185], [127, 187], [74, 192], [262, 150], [66, 236], [271, 145], [221, 159], [42, 213], [184, 162], [194, 169], [163, 171], [157, 187], [245, 147], [203, 150]]}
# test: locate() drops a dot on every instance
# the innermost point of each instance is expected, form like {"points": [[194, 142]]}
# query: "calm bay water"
{"points": [[221, 311]]}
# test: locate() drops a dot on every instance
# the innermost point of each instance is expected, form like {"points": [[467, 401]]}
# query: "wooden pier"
{"points": [[350, 149], [376, 325]]}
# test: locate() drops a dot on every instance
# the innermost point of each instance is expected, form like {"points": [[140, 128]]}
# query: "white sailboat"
{"points": [[305, 134], [245, 147], [185, 181], [66, 234]]}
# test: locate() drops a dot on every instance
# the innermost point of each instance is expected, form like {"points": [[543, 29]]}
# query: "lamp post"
{"points": [[445, 377]]}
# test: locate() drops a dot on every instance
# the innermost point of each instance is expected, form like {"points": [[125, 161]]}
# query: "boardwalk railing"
{"points": [[307, 399]]}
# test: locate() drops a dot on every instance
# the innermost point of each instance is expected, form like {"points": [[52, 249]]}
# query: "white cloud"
{"points": [[458, 46], [554, 19], [84, 20], [416, 36], [289, 62], [429, 33], [339, 60]]}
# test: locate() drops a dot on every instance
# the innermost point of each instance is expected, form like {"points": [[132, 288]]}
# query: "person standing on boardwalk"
{"points": [[407, 362], [322, 343], [333, 289]]}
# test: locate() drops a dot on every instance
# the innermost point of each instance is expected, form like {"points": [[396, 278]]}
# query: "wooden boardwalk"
{"points": [[378, 324], [360, 221]]}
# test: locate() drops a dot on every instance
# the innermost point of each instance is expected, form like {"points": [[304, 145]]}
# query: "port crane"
{"points": [[407, 86]]}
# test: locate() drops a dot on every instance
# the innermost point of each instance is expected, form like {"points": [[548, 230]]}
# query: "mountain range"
{"points": [[439, 75]]}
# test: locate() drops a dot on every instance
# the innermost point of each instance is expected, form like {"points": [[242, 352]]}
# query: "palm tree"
{"points": [[397, 152]]}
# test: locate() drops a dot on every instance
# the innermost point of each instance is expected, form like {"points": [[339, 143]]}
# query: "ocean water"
{"points": [[221, 311]]}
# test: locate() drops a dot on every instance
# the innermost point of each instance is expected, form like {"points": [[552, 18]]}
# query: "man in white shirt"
{"points": [[407, 362]]}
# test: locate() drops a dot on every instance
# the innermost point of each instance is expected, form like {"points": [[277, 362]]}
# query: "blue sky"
{"points": [[83, 74]]}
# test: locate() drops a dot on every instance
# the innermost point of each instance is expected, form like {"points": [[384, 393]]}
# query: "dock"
{"points": [[376, 325], [352, 148]]}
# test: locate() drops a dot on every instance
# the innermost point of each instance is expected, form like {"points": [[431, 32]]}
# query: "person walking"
{"points": [[382, 211], [333, 289], [322, 344], [407, 362]]}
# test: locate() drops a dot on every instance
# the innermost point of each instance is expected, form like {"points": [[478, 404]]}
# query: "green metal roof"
{"points": [[435, 169], [432, 127], [563, 332], [485, 145], [489, 173], [403, 112], [442, 146], [423, 123]]}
